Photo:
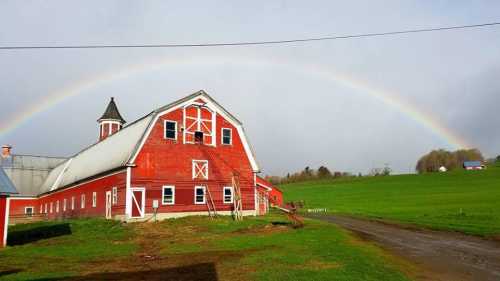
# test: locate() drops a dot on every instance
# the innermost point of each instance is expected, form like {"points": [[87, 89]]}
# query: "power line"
{"points": [[250, 43]]}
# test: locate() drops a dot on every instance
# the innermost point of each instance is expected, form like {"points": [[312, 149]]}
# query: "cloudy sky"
{"points": [[348, 104]]}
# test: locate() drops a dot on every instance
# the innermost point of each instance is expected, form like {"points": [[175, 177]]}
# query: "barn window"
{"points": [[228, 194], [28, 211], [57, 206], [200, 169], [65, 202], [115, 195], [73, 203], [41, 208], [227, 136], [51, 207], [168, 195], [82, 201], [94, 199], [45, 207], [170, 130], [199, 195]]}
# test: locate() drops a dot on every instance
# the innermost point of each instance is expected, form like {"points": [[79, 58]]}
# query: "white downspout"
{"points": [[128, 194]]}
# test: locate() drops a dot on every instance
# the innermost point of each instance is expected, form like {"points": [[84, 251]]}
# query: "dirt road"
{"points": [[438, 255]]}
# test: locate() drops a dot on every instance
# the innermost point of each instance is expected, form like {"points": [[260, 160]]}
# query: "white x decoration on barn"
{"points": [[200, 169]]}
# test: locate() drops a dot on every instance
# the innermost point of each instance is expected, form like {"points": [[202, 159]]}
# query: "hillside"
{"points": [[465, 201]]}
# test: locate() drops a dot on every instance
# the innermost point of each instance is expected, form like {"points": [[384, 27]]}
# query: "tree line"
{"points": [[308, 174], [432, 161]]}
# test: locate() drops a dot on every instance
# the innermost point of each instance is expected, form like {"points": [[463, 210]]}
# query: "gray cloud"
{"points": [[293, 116]]}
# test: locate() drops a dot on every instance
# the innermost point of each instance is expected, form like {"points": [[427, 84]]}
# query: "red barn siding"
{"points": [[169, 162], [100, 186], [17, 205], [3, 221]]}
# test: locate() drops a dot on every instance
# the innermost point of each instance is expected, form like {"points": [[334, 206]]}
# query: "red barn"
{"points": [[191, 157], [6, 189], [274, 195]]}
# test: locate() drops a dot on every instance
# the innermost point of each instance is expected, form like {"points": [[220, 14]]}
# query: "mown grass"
{"points": [[64, 254], [259, 248], [464, 201], [319, 251]]}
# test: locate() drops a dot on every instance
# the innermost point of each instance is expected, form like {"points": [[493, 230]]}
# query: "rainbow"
{"points": [[425, 119]]}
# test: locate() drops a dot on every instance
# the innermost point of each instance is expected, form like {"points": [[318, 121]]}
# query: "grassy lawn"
{"points": [[261, 248], [465, 201]]}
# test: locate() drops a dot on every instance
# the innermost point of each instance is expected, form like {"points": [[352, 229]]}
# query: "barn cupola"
{"points": [[111, 121]]}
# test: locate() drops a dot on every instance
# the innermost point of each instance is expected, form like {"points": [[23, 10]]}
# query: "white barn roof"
{"points": [[106, 155]]}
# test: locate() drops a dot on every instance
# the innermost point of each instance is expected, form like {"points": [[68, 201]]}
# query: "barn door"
{"points": [[108, 204], [138, 198]]}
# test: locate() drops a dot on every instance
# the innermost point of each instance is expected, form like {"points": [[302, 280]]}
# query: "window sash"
{"points": [[227, 137], [168, 199], [169, 132], [115, 196], [199, 195], [228, 198], [94, 199]]}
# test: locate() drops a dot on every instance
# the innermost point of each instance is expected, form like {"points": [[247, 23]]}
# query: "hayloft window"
{"points": [[228, 194], [28, 211], [115, 195], [199, 195], [198, 137], [168, 195], [170, 130], [227, 136], [94, 199]]}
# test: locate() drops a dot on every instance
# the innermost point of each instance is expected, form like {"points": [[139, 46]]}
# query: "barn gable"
{"points": [[201, 98]]}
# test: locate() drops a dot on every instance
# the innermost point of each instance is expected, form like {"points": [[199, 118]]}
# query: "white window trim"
{"points": [[163, 195], [204, 188], [82, 201], [51, 207], [45, 208], [224, 195], [65, 202], [230, 136], [165, 129], [197, 171], [41, 208], [94, 199], [72, 202], [57, 206], [29, 207], [114, 196]]}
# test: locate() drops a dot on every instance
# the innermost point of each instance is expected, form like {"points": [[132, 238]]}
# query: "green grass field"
{"points": [[464, 201], [260, 248]]}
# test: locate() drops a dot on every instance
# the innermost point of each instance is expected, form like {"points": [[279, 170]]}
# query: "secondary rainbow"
{"points": [[425, 119]]}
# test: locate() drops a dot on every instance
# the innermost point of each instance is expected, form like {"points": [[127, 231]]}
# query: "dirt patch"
{"points": [[437, 255], [318, 265], [266, 229], [149, 264]]}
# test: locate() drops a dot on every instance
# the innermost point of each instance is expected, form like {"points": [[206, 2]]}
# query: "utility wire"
{"points": [[250, 43]]}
